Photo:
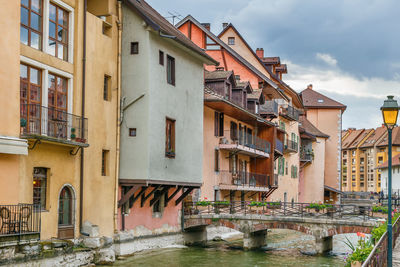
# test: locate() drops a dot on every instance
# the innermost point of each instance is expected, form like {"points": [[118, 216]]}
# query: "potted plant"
{"points": [[22, 124], [274, 205], [73, 135]]}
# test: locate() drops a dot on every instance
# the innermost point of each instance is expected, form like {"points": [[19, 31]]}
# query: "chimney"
{"points": [[224, 25], [260, 52], [206, 25], [309, 86]]}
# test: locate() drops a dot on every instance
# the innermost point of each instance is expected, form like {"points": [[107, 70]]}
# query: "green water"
{"points": [[199, 257]]}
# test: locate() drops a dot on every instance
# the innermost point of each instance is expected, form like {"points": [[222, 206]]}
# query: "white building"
{"points": [[395, 175]]}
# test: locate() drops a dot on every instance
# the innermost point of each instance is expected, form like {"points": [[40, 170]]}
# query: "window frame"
{"points": [[43, 179], [231, 40], [216, 160], [65, 28], [29, 28], [171, 70], [161, 57], [107, 88], [134, 48], [105, 159], [170, 138]]}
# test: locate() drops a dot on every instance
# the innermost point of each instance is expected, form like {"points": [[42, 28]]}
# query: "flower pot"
{"points": [[356, 264]]}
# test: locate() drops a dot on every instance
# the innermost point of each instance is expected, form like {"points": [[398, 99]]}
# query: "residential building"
{"points": [[55, 87], [384, 170], [326, 114], [161, 151]]}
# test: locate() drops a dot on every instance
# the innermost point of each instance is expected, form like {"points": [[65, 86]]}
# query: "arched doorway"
{"points": [[65, 213]]}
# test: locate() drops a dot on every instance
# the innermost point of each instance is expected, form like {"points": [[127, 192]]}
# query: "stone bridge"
{"points": [[255, 226]]}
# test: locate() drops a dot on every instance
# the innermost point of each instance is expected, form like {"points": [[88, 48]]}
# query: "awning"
{"points": [[332, 189], [13, 145]]}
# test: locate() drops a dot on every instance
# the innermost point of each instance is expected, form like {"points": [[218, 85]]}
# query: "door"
{"points": [[65, 214]]}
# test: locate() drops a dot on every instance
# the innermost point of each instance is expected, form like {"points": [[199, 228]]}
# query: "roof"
{"points": [[314, 99], [228, 49], [333, 189], [217, 75], [160, 24], [271, 60], [395, 162], [310, 128], [374, 137], [351, 137], [359, 138], [395, 138], [255, 95], [274, 59]]}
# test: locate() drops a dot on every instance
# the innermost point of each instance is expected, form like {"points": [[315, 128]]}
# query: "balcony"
{"points": [[52, 125], [245, 143], [19, 223], [278, 146], [289, 112], [306, 156], [269, 109], [291, 146], [244, 181], [275, 181]]}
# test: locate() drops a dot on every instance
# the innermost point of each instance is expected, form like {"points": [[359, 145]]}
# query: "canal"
{"points": [[284, 249]]}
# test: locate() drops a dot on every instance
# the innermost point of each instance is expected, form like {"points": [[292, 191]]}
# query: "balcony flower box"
{"points": [[274, 205]]}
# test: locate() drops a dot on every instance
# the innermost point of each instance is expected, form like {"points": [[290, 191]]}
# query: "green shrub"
{"points": [[226, 203], [203, 203]]}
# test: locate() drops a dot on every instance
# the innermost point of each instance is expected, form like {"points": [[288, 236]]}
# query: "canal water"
{"points": [[283, 249]]}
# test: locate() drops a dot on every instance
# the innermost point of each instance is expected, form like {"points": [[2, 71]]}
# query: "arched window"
{"points": [[65, 207]]}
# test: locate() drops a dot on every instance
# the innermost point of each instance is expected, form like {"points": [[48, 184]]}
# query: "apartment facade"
{"points": [[162, 122], [52, 103]]}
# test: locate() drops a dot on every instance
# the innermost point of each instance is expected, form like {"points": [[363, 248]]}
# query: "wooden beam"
{"points": [[155, 199], [144, 197], [169, 198], [133, 199], [187, 192], [127, 196]]}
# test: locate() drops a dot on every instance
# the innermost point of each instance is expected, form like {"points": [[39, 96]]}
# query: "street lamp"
{"points": [[390, 111]]}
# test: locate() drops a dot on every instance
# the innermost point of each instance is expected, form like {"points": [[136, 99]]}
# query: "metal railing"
{"points": [[306, 156], [44, 121], [241, 178], [378, 255], [291, 146], [293, 209], [21, 219], [248, 140], [289, 112], [278, 145], [270, 107]]}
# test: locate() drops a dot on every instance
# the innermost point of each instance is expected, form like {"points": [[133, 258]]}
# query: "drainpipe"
{"points": [[83, 115], [119, 63]]}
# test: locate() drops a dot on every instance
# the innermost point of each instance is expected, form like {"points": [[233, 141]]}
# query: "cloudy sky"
{"points": [[348, 49]]}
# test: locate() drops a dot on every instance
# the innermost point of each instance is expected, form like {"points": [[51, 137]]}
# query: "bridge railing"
{"points": [[378, 255], [279, 209]]}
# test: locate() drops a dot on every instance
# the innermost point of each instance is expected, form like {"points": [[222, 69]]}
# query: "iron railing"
{"points": [[292, 209], [289, 112], [291, 146], [248, 140], [18, 220], [54, 123], [278, 145], [269, 108], [306, 156], [378, 255], [245, 179]]}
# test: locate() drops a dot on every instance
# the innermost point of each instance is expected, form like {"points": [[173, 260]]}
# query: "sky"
{"points": [[348, 50]]}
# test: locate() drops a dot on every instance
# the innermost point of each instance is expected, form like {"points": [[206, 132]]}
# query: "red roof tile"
{"points": [[395, 162], [313, 99]]}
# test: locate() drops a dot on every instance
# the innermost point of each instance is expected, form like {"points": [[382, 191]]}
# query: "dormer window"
{"points": [[231, 40], [320, 101]]}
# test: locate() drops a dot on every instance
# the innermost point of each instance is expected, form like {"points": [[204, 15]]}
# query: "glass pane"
{"points": [[36, 22], [52, 12], [62, 85], [60, 51], [35, 76], [52, 47], [24, 90], [36, 41], [61, 16], [35, 93], [65, 52], [25, 3], [36, 5], [61, 34], [65, 19], [24, 35], [23, 72], [52, 30], [24, 16], [52, 82], [51, 98]]}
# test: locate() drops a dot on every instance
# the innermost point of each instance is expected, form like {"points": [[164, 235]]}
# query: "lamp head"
{"points": [[390, 111]]}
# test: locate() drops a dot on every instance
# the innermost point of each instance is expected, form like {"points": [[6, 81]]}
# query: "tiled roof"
{"points": [[271, 60], [255, 95], [374, 137], [159, 23], [395, 162], [310, 128], [217, 75], [395, 138], [313, 99], [359, 138], [351, 137]]}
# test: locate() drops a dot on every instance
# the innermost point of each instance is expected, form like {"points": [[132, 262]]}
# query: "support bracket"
{"points": [[37, 141], [71, 152]]}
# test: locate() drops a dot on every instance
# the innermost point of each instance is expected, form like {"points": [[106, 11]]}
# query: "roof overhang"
{"points": [[337, 191], [13, 145]]}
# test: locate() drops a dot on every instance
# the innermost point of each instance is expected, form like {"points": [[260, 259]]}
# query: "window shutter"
{"points": [[221, 124], [216, 124]]}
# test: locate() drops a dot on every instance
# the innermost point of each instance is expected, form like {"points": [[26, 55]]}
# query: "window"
{"points": [[170, 138], [170, 70], [30, 97], [232, 163], [39, 186], [57, 106], [294, 171], [287, 168], [106, 88], [31, 23], [231, 40], [157, 206], [134, 48], [132, 131], [161, 58], [58, 32], [218, 124], [234, 133], [104, 162], [216, 160]]}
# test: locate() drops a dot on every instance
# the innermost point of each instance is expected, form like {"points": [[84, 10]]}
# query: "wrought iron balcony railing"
{"points": [[52, 123], [291, 146], [248, 140], [278, 145], [245, 179], [21, 219], [289, 112], [306, 156], [270, 107]]}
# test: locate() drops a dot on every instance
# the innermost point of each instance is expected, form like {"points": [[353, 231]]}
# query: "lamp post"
{"points": [[390, 110]]}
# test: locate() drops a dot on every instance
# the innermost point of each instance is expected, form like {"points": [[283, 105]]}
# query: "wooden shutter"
{"points": [[216, 123], [221, 124]]}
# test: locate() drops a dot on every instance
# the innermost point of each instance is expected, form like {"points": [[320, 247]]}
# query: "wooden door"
{"points": [[65, 214]]}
